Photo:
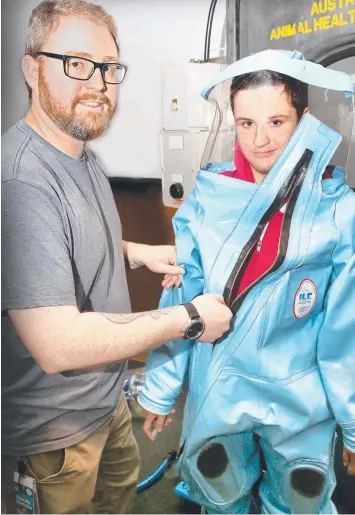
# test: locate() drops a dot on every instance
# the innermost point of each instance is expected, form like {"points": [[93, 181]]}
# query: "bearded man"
{"points": [[67, 323]]}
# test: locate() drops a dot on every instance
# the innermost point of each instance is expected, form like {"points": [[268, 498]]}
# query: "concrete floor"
{"points": [[159, 498]]}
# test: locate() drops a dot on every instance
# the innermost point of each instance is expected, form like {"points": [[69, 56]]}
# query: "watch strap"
{"points": [[192, 311]]}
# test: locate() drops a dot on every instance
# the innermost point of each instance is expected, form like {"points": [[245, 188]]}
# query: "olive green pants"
{"points": [[97, 475]]}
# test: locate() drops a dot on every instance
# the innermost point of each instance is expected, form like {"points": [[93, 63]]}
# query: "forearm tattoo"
{"points": [[131, 317]]}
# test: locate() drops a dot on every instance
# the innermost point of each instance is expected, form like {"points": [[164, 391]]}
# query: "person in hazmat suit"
{"points": [[274, 233]]}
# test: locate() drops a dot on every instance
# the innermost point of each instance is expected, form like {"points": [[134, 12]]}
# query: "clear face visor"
{"points": [[264, 120]]}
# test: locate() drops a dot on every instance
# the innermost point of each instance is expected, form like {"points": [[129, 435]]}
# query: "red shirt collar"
{"points": [[243, 169]]}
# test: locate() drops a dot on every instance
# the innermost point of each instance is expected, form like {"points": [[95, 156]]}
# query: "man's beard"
{"points": [[84, 126]]}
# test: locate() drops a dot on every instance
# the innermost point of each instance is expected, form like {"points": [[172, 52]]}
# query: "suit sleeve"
{"points": [[167, 366], [336, 341]]}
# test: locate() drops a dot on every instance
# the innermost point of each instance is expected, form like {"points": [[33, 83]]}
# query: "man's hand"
{"points": [[156, 423], [215, 314], [158, 258], [171, 280], [349, 461]]}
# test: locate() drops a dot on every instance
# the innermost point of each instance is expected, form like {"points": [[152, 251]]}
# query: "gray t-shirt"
{"points": [[61, 245]]}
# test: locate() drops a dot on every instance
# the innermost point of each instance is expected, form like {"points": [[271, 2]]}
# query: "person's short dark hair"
{"points": [[296, 90]]}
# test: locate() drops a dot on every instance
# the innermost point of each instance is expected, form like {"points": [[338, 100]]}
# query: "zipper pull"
{"points": [[260, 242]]}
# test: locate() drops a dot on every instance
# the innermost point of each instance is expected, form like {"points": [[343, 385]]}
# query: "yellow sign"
{"points": [[323, 18]]}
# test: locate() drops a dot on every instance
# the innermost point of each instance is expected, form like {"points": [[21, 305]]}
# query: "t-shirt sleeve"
{"points": [[36, 263]]}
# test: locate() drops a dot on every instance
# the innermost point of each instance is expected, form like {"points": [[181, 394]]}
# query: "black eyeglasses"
{"points": [[81, 68]]}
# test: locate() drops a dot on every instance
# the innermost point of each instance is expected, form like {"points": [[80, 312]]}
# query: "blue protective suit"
{"points": [[285, 373]]}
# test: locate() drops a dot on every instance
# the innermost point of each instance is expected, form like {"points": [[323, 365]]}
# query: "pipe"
{"points": [[209, 29], [157, 473]]}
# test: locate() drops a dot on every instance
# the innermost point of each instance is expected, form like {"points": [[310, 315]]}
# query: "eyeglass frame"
{"points": [[65, 58]]}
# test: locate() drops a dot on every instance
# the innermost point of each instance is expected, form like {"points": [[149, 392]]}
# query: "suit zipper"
{"points": [[290, 191], [260, 242]]}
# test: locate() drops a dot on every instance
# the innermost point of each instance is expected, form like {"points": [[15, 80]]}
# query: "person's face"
{"points": [[265, 119], [82, 109]]}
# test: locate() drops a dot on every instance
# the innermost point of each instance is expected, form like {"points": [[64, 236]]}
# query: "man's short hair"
{"points": [[45, 19], [296, 90]]}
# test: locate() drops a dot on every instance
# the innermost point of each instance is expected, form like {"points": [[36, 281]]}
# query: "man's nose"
{"points": [[96, 81], [261, 137]]}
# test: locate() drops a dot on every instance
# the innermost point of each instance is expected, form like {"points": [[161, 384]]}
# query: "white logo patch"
{"points": [[305, 298]]}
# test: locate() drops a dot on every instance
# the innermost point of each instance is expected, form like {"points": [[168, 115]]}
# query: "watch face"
{"points": [[195, 330]]}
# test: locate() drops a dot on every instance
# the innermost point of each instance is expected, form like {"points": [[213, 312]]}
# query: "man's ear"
{"points": [[29, 67]]}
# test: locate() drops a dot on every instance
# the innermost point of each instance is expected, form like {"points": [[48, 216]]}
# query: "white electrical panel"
{"points": [[183, 105], [175, 99], [187, 119], [177, 167], [201, 112]]}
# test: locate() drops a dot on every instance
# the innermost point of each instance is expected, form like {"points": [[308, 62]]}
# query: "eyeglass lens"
{"points": [[77, 68]]}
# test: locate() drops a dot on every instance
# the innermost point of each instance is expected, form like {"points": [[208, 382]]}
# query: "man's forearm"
{"points": [[62, 339], [132, 252], [120, 337], [125, 248]]}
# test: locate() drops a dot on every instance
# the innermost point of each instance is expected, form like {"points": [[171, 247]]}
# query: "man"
{"points": [[67, 328], [283, 224]]}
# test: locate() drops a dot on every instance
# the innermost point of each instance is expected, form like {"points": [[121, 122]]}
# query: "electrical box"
{"points": [[186, 123]]}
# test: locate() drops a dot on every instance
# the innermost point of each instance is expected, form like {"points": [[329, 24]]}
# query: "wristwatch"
{"points": [[196, 325]]}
